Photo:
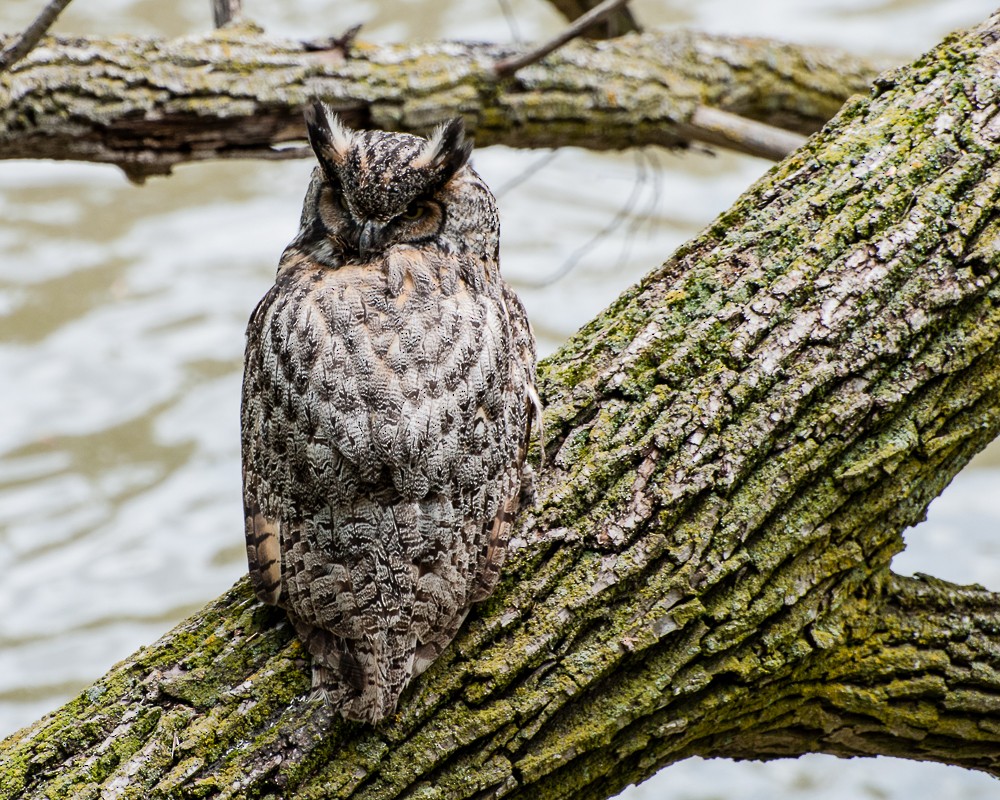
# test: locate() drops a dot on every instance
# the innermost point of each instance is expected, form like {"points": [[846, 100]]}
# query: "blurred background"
{"points": [[122, 311]]}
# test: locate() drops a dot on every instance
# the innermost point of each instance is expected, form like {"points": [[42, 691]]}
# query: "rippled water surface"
{"points": [[122, 311]]}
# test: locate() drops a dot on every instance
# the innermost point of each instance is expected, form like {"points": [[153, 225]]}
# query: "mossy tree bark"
{"points": [[733, 450], [148, 104]]}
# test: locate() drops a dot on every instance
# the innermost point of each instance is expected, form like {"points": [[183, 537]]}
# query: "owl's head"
{"points": [[373, 190]]}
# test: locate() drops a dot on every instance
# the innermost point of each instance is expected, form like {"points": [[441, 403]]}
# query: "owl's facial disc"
{"points": [[384, 186], [420, 221]]}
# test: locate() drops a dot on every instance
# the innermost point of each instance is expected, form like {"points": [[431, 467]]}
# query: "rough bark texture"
{"points": [[733, 450], [148, 104]]}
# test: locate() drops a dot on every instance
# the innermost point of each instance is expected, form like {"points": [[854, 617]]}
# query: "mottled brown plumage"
{"points": [[387, 400]]}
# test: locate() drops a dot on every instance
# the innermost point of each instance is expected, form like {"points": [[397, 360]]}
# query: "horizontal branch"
{"points": [[148, 104], [744, 135], [918, 679]]}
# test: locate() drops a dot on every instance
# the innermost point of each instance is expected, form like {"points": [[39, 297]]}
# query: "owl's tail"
{"points": [[362, 679]]}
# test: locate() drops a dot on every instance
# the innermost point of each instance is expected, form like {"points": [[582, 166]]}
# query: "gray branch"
{"points": [[508, 66], [620, 23], [148, 104], [226, 11], [26, 42]]}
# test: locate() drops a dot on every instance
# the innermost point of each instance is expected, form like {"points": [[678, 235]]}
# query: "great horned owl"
{"points": [[388, 396]]}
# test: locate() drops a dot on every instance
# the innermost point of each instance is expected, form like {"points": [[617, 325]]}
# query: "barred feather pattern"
{"points": [[387, 403]]}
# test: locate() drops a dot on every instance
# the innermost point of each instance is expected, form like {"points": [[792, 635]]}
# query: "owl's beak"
{"points": [[370, 238]]}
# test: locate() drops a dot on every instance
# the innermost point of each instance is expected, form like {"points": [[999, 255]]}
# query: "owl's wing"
{"points": [[520, 473], [263, 537], [498, 529], [496, 537], [263, 533]]}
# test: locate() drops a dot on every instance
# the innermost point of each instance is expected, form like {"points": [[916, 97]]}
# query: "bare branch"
{"points": [[621, 22], [337, 44], [621, 215], [712, 126], [508, 66], [225, 11], [511, 17], [26, 42]]}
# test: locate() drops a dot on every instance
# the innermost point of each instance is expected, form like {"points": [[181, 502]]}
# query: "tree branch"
{"points": [[226, 11], [147, 105], [26, 42], [712, 126], [735, 445], [919, 679], [620, 23], [508, 66]]}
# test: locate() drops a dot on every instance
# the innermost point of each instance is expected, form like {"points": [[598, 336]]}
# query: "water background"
{"points": [[122, 311]]}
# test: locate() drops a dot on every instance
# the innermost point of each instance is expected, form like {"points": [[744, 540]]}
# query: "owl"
{"points": [[388, 398]]}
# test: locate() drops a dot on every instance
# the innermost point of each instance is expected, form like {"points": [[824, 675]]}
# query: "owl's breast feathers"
{"points": [[366, 387], [385, 415]]}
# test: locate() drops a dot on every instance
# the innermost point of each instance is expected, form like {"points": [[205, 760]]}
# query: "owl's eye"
{"points": [[416, 211], [343, 202]]}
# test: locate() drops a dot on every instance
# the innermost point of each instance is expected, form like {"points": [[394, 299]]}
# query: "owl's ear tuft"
{"points": [[446, 151], [331, 140]]}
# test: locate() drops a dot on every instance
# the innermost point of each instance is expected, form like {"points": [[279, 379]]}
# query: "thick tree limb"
{"points": [[735, 448], [920, 679], [148, 105]]}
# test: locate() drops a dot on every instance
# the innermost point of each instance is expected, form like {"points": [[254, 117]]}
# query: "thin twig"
{"points": [[713, 126], [341, 44], [646, 165], [618, 24], [225, 11], [26, 42], [587, 247], [508, 66], [529, 172], [511, 18]]}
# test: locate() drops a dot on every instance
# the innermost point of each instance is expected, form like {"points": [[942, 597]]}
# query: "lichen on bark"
{"points": [[149, 104]]}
